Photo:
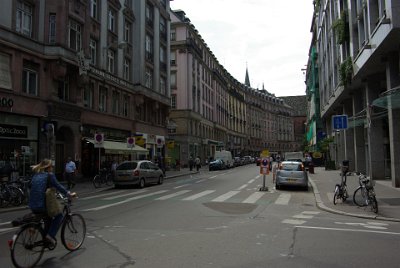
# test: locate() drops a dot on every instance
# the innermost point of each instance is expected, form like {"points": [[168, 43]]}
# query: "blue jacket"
{"points": [[37, 200]]}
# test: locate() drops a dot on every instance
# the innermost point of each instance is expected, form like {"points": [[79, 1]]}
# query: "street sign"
{"points": [[98, 140], [339, 122], [264, 166], [130, 142]]}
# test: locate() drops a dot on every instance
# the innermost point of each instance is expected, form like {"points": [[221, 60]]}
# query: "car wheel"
{"points": [[160, 180], [278, 187], [142, 183]]}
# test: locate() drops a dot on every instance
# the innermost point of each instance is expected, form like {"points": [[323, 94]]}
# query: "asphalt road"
{"points": [[218, 219]]}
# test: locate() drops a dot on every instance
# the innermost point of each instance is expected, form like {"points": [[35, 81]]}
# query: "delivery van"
{"points": [[294, 156], [226, 156]]}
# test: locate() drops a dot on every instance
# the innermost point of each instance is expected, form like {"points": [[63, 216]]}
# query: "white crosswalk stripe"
{"points": [[283, 199], [201, 194], [165, 197], [253, 197], [225, 196], [123, 195]]}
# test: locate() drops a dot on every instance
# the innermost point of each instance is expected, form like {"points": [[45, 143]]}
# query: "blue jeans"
{"points": [[55, 225]]}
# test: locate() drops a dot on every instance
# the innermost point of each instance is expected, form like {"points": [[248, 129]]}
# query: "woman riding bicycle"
{"points": [[42, 179]]}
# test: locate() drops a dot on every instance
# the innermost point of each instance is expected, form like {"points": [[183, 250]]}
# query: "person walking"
{"points": [[69, 172], [198, 163], [42, 179], [191, 163]]}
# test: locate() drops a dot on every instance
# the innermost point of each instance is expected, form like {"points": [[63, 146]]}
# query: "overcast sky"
{"points": [[272, 36]]}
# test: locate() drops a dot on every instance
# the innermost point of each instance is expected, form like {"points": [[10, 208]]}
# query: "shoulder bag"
{"points": [[53, 206]]}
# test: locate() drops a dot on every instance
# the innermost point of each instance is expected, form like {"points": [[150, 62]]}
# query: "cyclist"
{"points": [[37, 203]]}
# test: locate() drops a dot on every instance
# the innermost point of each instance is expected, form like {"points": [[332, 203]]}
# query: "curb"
{"points": [[320, 204]]}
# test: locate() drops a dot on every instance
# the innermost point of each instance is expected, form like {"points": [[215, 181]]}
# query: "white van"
{"points": [[226, 156], [294, 156]]}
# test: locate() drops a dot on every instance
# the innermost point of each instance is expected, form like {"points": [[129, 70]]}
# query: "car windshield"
{"points": [[291, 167], [127, 166]]}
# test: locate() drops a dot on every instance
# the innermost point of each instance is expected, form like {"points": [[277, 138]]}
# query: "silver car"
{"points": [[138, 172], [291, 173]]}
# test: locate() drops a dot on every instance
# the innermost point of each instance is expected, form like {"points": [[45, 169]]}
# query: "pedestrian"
{"points": [[114, 168], [69, 172], [274, 169], [42, 179], [191, 163], [198, 163]]}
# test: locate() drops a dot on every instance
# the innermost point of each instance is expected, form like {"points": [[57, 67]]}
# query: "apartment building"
{"points": [[358, 69], [75, 69], [211, 110]]}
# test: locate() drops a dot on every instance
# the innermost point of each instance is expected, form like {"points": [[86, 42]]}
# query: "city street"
{"points": [[217, 219]]}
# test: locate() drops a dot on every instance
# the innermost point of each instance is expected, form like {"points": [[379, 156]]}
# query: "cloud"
{"points": [[272, 37]]}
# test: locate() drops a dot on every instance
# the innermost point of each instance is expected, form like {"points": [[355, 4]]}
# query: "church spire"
{"points": [[247, 80]]}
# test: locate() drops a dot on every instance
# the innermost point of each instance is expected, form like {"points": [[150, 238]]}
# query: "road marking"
{"points": [[347, 230], [294, 222], [225, 196], [201, 194], [253, 197], [100, 195], [125, 201], [283, 199], [251, 181], [7, 229], [302, 216], [213, 177], [123, 195], [200, 180], [310, 212], [242, 187], [165, 197], [5, 223], [180, 186]]}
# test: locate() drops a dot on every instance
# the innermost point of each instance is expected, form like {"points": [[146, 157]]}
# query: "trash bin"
{"points": [[311, 168]]}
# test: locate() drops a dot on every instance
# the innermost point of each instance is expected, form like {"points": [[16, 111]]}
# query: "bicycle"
{"points": [[104, 177], [364, 195], [341, 189], [29, 243], [10, 194]]}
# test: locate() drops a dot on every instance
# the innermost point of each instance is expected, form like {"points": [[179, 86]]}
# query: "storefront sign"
{"points": [[13, 131], [6, 102]]}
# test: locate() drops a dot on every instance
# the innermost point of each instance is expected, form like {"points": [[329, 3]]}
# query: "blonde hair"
{"points": [[42, 166]]}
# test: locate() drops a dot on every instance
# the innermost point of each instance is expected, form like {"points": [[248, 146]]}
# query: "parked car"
{"points": [[226, 156], [237, 161], [217, 164], [291, 173], [138, 172]]}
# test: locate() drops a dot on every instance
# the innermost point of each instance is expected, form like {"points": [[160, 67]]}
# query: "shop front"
{"points": [[18, 143]]}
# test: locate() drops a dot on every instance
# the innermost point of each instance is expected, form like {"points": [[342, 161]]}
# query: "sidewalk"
{"points": [[323, 183]]}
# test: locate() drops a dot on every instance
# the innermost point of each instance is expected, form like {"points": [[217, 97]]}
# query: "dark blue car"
{"points": [[217, 164]]}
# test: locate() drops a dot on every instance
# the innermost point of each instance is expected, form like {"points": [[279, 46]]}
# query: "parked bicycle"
{"points": [[104, 177], [29, 243], [10, 194], [341, 189], [364, 195]]}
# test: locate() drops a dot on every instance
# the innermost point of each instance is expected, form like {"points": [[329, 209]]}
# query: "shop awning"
{"points": [[389, 99], [115, 147]]}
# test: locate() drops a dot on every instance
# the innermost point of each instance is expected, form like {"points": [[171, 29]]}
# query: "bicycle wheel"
{"points": [[360, 196], [16, 196], [27, 246], [344, 193], [109, 180], [97, 181], [73, 232], [336, 194]]}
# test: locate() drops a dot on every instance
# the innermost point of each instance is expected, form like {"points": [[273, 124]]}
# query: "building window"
{"points": [[115, 102], [173, 101], [149, 78], [125, 106], [24, 18], [163, 87], [52, 29], [173, 80], [149, 15], [30, 81], [163, 56], [127, 31], [173, 35], [93, 9], [93, 51], [110, 60], [149, 48], [127, 64], [163, 28], [173, 58], [75, 35], [102, 99], [63, 90], [88, 93], [111, 20]]}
